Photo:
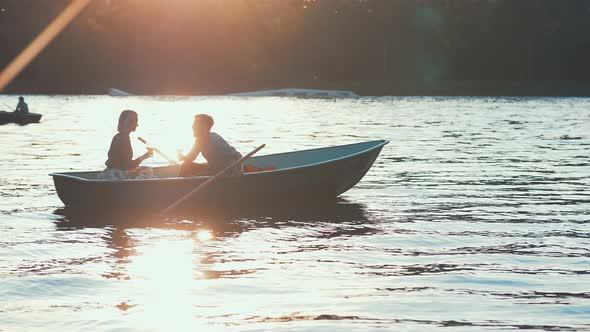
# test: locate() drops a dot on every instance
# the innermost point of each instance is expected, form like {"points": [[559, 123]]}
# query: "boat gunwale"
{"points": [[178, 178], [20, 114]]}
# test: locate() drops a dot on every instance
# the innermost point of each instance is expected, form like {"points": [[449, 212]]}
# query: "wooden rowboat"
{"points": [[301, 175], [20, 118]]}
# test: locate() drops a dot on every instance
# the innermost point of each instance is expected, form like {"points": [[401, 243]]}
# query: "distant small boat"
{"points": [[301, 93], [20, 118], [118, 93], [307, 175]]}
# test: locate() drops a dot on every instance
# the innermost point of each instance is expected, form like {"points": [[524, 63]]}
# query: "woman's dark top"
{"points": [[121, 153]]}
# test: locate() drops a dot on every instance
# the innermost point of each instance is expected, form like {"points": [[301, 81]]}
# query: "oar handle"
{"points": [[210, 180], [170, 160]]}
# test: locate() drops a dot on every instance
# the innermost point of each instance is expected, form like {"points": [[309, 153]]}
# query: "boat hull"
{"points": [[12, 117], [325, 180]]}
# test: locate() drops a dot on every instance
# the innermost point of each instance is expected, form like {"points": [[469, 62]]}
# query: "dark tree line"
{"points": [[221, 46]]}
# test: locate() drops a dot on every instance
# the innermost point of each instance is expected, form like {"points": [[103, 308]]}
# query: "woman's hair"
{"points": [[125, 120], [205, 119]]}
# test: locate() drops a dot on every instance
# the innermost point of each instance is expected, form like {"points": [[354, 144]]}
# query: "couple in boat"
{"points": [[218, 153]]}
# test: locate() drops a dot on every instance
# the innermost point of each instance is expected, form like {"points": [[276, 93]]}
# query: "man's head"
{"points": [[202, 125], [21, 98]]}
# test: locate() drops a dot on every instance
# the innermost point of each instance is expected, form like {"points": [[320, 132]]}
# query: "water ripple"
{"points": [[474, 217]]}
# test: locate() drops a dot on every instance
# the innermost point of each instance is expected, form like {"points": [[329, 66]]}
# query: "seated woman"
{"points": [[218, 153], [120, 164]]}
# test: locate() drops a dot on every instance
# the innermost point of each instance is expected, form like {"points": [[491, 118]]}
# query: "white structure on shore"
{"points": [[118, 93], [302, 93]]}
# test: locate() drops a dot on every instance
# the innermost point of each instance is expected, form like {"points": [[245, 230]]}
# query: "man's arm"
{"points": [[193, 154]]}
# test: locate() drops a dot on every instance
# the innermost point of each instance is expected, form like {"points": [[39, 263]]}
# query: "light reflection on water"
{"points": [[475, 216]]}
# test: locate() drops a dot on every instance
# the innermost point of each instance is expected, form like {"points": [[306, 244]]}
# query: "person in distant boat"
{"points": [[218, 153], [120, 163], [22, 107]]}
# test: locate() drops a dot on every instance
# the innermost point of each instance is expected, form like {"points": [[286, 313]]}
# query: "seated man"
{"points": [[218, 153], [22, 107]]}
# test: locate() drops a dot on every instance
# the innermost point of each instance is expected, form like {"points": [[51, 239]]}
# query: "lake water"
{"points": [[475, 217]]}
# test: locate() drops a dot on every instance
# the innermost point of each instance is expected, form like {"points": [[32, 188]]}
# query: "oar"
{"points": [[210, 180], [170, 160], [9, 107]]}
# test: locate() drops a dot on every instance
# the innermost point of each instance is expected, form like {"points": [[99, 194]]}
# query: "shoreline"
{"points": [[377, 88], [466, 88]]}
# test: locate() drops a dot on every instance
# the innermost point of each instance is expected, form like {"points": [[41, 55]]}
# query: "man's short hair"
{"points": [[205, 119]]}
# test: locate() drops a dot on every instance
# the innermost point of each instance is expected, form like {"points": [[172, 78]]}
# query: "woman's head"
{"points": [[202, 125], [127, 121]]}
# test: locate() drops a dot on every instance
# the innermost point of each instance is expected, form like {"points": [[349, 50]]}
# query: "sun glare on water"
{"points": [[204, 235], [164, 275]]}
